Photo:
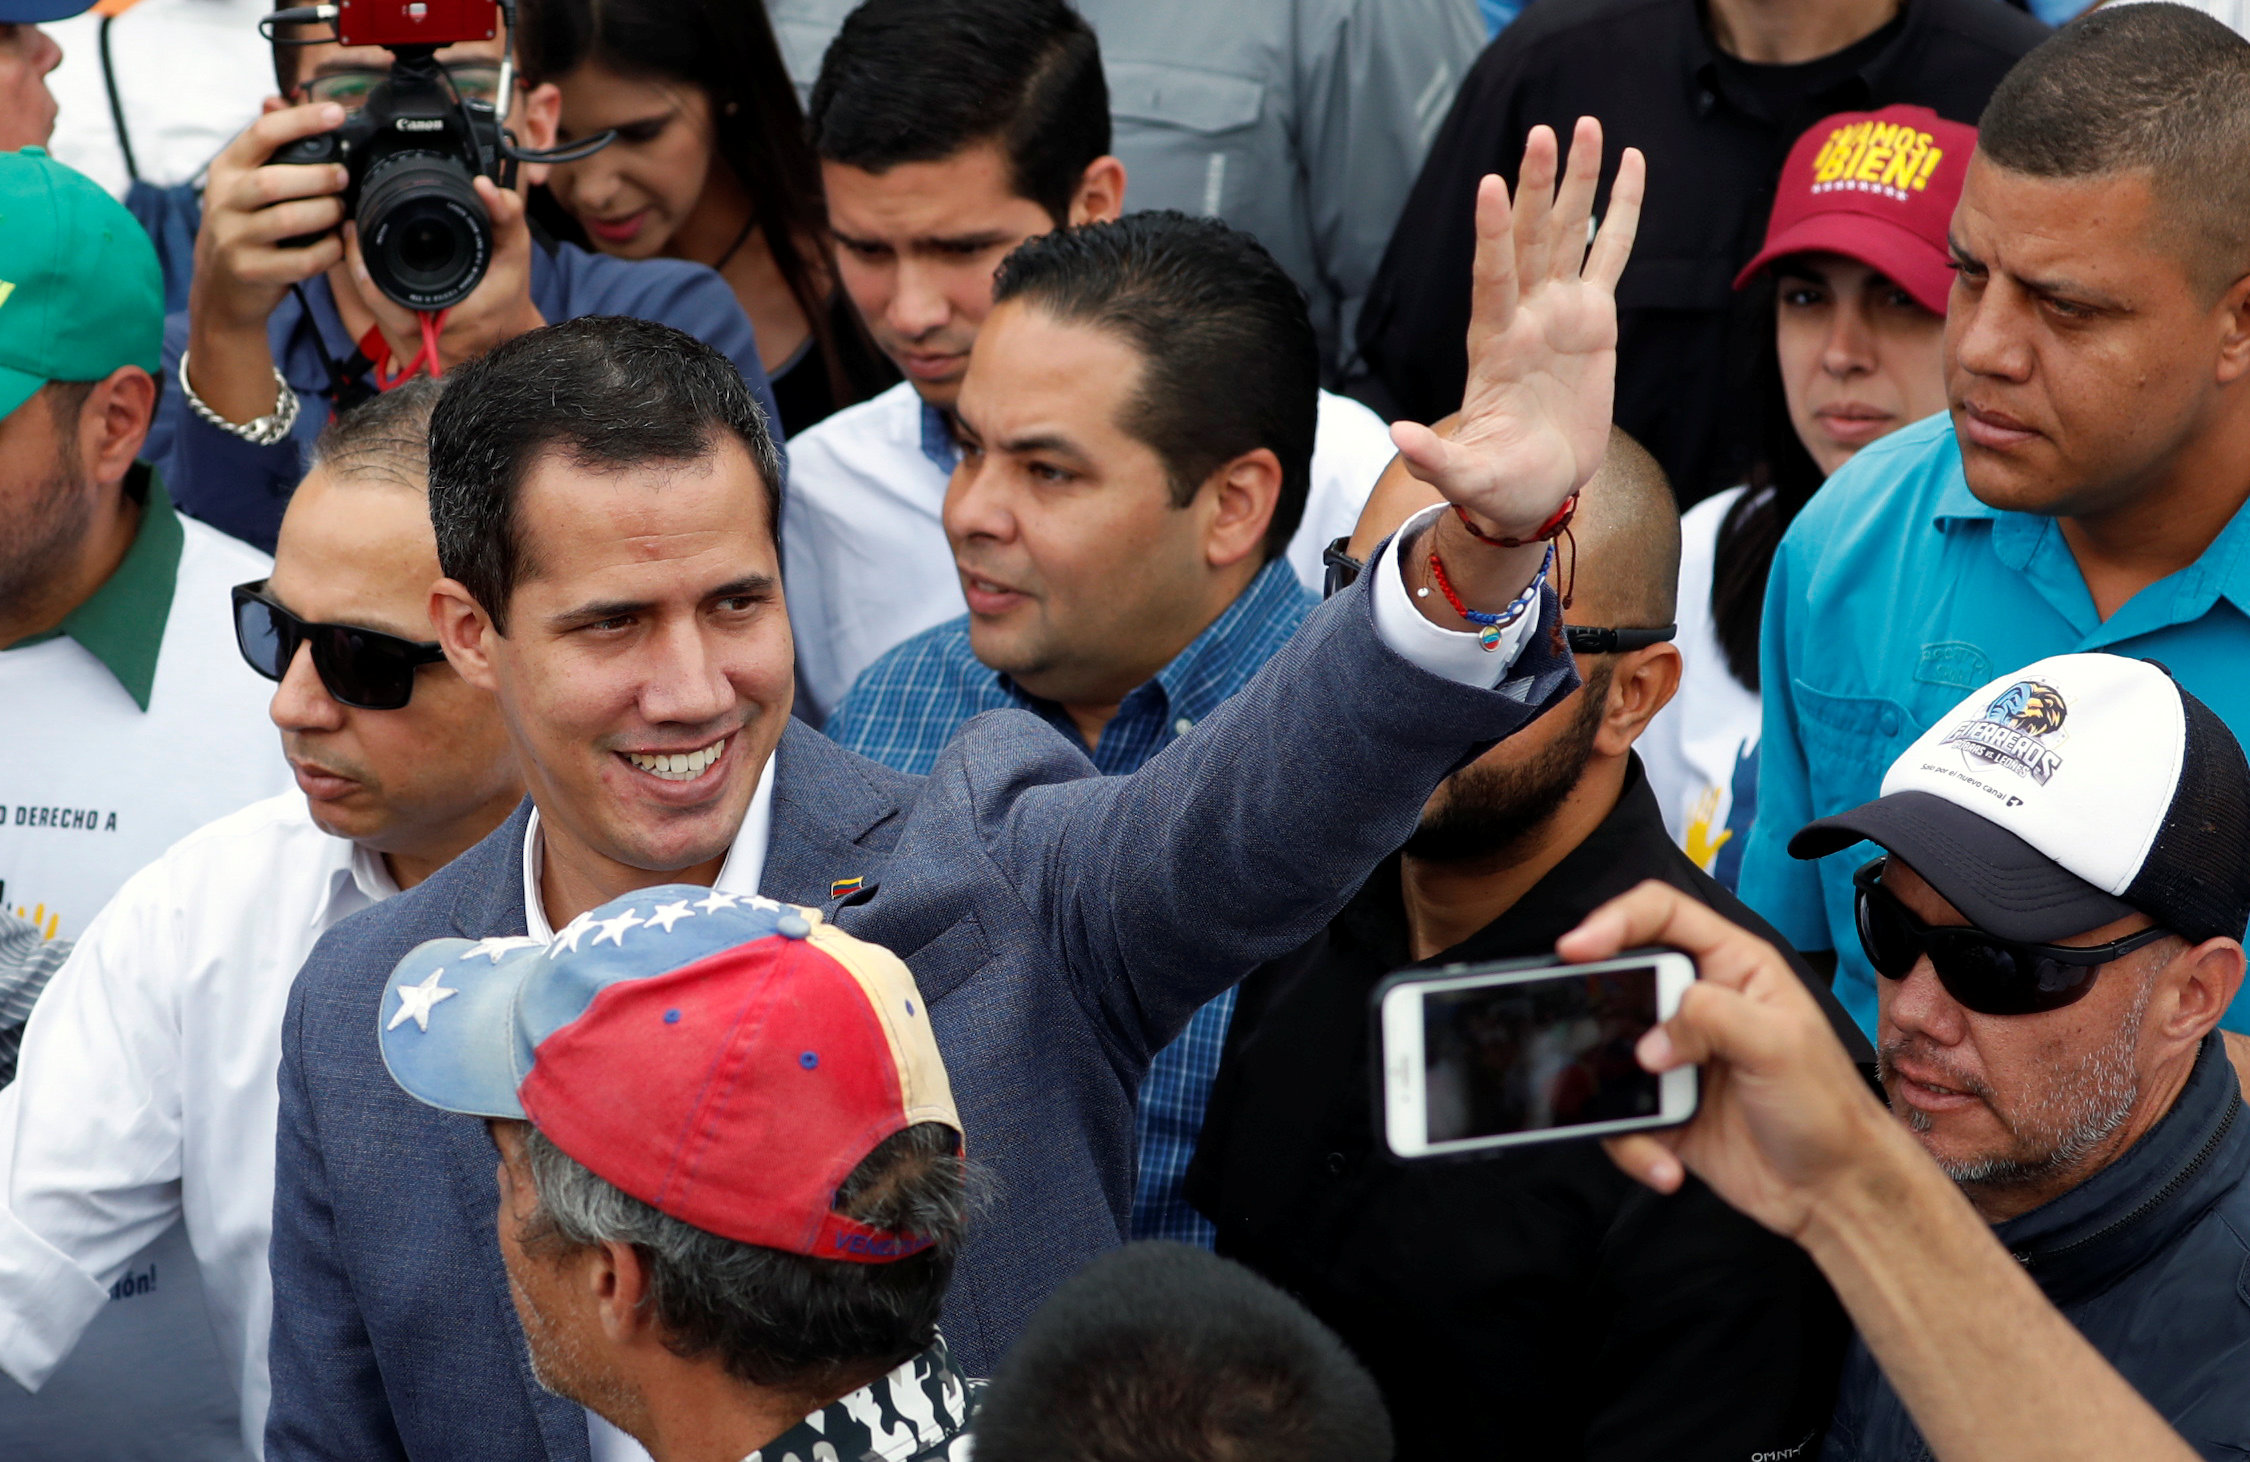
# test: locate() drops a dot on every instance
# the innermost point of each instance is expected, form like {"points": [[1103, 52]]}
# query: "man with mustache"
{"points": [[126, 719], [2056, 911], [146, 1092], [2085, 491]]}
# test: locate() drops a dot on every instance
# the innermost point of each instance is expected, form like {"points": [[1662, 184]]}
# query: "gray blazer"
{"points": [[1063, 927]]}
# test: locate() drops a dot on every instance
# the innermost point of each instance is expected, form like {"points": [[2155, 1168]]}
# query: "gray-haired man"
{"points": [[731, 1189]]}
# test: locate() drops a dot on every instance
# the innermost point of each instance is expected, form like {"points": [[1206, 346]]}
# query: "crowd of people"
{"points": [[863, 719]]}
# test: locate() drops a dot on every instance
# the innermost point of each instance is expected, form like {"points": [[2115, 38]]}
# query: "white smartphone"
{"points": [[1497, 1055]]}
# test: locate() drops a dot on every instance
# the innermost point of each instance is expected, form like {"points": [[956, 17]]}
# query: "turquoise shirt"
{"points": [[1895, 594]]}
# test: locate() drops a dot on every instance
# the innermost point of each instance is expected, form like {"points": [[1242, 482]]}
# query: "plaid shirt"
{"points": [[907, 705]]}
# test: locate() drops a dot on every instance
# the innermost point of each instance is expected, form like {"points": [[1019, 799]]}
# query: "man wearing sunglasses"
{"points": [[146, 1093], [1723, 1341], [276, 338], [2056, 914]]}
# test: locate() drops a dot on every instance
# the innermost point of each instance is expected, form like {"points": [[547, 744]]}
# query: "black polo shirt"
{"points": [[1715, 132], [1537, 1304]]}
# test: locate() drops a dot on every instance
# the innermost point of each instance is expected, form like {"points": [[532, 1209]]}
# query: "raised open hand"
{"points": [[1542, 340]]}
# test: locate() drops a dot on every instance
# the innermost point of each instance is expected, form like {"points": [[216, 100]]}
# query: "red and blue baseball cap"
{"points": [[1879, 187], [726, 1060]]}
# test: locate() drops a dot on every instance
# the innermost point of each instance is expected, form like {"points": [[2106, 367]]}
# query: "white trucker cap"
{"points": [[2065, 796]]}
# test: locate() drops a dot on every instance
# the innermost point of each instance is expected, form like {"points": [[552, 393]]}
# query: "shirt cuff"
{"points": [[46, 1300], [1451, 654]]}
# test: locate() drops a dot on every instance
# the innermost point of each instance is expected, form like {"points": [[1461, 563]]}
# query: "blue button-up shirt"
{"points": [[1896, 593], [907, 705]]}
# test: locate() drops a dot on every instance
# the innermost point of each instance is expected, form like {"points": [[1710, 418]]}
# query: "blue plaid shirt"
{"points": [[907, 705]]}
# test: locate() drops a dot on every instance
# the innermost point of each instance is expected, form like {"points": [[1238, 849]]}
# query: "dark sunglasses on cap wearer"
{"points": [[1983, 972], [362, 668]]}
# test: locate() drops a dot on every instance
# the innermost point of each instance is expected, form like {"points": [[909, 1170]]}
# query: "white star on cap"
{"points": [[613, 930], [667, 915], [415, 1001], [499, 945], [567, 939], [718, 901]]}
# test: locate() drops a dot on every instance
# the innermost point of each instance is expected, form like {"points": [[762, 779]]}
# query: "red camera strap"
{"points": [[377, 349]]}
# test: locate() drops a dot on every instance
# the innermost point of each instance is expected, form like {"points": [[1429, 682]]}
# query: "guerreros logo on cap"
{"points": [[2015, 731]]}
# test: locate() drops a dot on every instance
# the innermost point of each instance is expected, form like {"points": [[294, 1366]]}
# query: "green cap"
{"points": [[80, 290]]}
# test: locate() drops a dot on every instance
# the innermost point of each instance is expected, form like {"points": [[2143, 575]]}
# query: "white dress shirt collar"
{"points": [[360, 879], [741, 873]]}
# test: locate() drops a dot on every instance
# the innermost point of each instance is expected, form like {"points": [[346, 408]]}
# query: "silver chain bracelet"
{"points": [[269, 430]]}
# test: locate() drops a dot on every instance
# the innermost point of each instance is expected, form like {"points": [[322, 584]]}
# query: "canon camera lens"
{"points": [[423, 230]]}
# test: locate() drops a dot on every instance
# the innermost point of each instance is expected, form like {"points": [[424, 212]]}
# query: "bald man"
{"points": [[1534, 1304]]}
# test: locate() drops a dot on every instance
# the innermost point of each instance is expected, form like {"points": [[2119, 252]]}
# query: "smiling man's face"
{"points": [[647, 670], [2081, 357]]}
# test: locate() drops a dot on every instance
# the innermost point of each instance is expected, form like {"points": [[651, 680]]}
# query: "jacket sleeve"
{"points": [[1245, 836], [1783, 889], [328, 1398], [1723, 1341]]}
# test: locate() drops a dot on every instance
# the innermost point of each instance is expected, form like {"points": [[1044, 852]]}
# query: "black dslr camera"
{"points": [[416, 147]]}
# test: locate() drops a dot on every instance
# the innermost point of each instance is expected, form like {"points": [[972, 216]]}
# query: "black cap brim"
{"points": [[1999, 882]]}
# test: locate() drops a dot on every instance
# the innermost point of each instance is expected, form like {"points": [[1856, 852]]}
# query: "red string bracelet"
{"points": [[1552, 528], [1489, 626]]}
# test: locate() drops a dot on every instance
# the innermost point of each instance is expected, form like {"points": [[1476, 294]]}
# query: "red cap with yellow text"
{"points": [[1878, 187]]}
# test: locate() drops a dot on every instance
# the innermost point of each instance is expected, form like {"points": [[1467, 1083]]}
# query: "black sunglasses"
{"points": [[1985, 973], [362, 668]]}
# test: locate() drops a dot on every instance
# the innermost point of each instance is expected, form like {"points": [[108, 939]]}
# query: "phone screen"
{"points": [[1538, 1054]]}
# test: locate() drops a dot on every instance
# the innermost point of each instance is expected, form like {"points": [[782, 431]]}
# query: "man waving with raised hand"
{"points": [[603, 495]]}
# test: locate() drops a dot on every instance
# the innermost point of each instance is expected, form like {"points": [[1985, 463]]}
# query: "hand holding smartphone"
{"points": [[1498, 1055]]}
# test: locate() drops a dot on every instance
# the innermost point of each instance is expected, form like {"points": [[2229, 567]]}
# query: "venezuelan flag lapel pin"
{"points": [[843, 886]]}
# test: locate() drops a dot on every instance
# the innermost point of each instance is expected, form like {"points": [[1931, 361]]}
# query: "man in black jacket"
{"points": [[1714, 93], [2055, 903], [1537, 1304]]}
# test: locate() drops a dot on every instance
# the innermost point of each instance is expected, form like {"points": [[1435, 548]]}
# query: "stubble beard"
{"points": [[1489, 810], [2081, 1112], [38, 543], [561, 1365]]}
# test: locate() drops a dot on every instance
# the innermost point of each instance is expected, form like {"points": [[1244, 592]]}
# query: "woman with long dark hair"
{"points": [[1855, 260], [711, 163]]}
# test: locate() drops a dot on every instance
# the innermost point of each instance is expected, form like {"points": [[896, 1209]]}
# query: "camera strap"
{"points": [[376, 350]]}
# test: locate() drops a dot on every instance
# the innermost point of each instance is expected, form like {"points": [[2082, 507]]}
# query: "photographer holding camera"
{"points": [[286, 325]]}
